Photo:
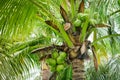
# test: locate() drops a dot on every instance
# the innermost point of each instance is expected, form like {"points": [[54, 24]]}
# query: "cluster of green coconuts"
{"points": [[82, 17], [57, 61]]}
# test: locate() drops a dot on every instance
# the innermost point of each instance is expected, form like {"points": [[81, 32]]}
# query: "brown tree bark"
{"points": [[78, 72]]}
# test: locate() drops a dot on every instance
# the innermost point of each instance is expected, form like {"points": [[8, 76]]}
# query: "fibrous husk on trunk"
{"points": [[78, 69]]}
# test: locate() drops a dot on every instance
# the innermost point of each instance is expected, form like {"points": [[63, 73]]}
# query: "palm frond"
{"points": [[113, 35], [107, 71], [16, 17], [50, 16], [19, 67]]}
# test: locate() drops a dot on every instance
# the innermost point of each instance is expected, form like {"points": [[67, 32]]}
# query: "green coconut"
{"points": [[59, 68], [55, 54], [51, 62], [77, 23], [60, 60]]}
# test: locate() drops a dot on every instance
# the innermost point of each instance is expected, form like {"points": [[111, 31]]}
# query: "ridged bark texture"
{"points": [[78, 72]]}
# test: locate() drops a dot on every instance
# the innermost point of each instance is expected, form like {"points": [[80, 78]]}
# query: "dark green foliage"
{"points": [[108, 71]]}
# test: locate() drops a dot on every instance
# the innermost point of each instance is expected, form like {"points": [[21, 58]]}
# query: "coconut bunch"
{"points": [[57, 62], [82, 17]]}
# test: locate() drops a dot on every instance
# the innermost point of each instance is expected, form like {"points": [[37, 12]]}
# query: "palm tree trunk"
{"points": [[78, 69]]}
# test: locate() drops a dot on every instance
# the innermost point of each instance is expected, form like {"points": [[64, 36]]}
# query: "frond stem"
{"points": [[117, 11]]}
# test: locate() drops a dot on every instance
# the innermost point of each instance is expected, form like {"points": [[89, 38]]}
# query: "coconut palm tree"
{"points": [[71, 22]]}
